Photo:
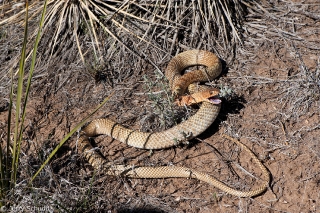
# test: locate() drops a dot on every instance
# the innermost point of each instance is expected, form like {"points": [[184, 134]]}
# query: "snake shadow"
{"points": [[230, 106], [233, 104]]}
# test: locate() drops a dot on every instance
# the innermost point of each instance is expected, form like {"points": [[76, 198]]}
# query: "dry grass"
{"points": [[161, 112], [158, 28], [299, 85], [273, 71]]}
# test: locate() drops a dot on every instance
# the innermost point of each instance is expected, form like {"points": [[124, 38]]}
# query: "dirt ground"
{"points": [[275, 79]]}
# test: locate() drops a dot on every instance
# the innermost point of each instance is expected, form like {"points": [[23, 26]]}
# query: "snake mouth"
{"points": [[213, 96], [209, 96], [214, 100]]}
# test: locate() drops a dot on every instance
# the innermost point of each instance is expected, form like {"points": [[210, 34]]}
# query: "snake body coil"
{"points": [[192, 127]]}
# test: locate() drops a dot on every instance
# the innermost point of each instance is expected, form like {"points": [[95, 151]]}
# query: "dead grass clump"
{"points": [[161, 25], [162, 113], [302, 90]]}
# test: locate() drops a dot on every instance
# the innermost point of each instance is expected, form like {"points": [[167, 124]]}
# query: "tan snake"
{"points": [[186, 130]]}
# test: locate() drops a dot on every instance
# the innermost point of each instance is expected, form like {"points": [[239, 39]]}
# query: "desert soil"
{"points": [[274, 77]]}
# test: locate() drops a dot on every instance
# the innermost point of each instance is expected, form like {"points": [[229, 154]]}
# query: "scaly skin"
{"points": [[186, 130]]}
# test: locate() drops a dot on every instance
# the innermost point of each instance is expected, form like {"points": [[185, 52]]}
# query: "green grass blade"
{"points": [[68, 136], [33, 61], [15, 154], [34, 56]]}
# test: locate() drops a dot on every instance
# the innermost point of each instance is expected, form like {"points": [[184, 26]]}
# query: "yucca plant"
{"points": [[163, 25], [68, 19]]}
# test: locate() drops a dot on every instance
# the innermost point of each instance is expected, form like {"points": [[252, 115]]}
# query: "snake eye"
{"points": [[177, 91]]}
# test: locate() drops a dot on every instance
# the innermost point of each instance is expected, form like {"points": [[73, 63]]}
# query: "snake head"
{"points": [[210, 96]]}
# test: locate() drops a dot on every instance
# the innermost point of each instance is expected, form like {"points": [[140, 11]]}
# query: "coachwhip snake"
{"points": [[192, 127]]}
